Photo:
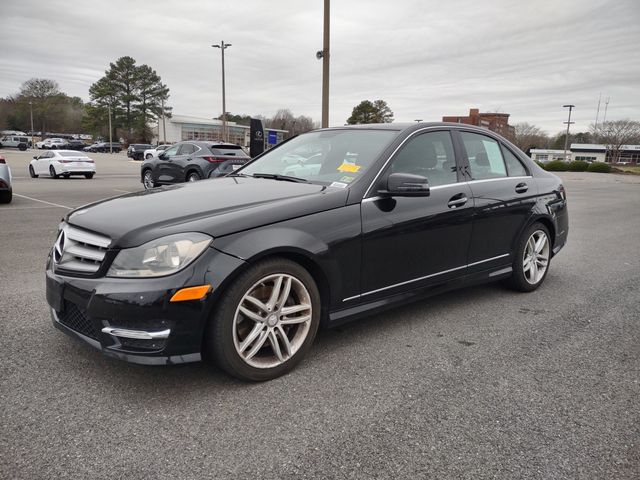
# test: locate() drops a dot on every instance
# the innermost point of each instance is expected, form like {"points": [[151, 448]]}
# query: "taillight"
{"points": [[215, 159], [2, 160]]}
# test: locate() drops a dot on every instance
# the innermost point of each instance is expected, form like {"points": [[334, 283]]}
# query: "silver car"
{"points": [[6, 192]]}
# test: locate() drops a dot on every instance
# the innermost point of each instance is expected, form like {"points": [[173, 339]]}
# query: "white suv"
{"points": [[15, 141]]}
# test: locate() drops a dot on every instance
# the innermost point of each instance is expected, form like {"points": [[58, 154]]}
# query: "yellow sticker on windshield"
{"points": [[348, 167]]}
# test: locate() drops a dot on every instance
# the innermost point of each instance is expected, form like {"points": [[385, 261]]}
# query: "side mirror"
{"points": [[35, 157], [163, 156], [406, 185]]}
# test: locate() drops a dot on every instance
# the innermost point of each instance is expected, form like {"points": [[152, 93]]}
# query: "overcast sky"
{"points": [[426, 58]]}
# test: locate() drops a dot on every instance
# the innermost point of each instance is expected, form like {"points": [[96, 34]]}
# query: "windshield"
{"points": [[325, 156]]}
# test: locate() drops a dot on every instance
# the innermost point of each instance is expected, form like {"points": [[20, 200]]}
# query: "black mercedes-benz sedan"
{"points": [[326, 227]]}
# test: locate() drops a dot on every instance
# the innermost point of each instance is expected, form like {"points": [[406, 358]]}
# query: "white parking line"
{"points": [[42, 201], [123, 191]]}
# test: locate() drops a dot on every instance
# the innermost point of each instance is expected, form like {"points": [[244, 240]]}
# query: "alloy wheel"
{"points": [[536, 257], [147, 180], [272, 321]]}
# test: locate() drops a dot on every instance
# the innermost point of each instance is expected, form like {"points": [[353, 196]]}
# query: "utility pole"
{"points": [[110, 132], [568, 122], [31, 111], [595, 128], [222, 47], [606, 105], [325, 67], [164, 126]]}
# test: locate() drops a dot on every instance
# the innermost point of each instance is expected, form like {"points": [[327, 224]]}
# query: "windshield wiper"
{"points": [[285, 178]]}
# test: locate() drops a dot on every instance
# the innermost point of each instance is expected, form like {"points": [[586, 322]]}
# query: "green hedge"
{"points": [[578, 166], [599, 167], [556, 166]]}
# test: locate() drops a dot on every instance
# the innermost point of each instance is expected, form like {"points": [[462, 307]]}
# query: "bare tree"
{"points": [[614, 134], [529, 136], [285, 120]]}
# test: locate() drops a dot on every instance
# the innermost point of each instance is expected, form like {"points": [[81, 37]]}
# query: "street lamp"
{"points": [[31, 111], [110, 132], [222, 46], [568, 122]]}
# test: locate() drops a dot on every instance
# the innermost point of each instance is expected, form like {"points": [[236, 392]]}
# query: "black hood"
{"points": [[217, 207]]}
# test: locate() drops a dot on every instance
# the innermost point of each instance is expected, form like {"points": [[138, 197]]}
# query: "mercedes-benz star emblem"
{"points": [[58, 248]]}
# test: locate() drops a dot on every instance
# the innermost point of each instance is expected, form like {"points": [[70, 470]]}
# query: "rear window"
{"points": [[71, 154], [234, 150]]}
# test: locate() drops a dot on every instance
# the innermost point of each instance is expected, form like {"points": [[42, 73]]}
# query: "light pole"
{"points": [[222, 46], [110, 132], [325, 67], [31, 112], [568, 122]]}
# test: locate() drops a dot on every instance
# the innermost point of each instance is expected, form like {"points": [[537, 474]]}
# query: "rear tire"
{"points": [[32, 172], [532, 260], [88, 176], [52, 172], [148, 156], [265, 322], [193, 177]]}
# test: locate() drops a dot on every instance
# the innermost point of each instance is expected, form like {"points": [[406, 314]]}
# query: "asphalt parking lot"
{"points": [[478, 383]]}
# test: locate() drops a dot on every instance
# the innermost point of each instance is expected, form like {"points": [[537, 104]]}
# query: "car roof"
{"points": [[75, 152]]}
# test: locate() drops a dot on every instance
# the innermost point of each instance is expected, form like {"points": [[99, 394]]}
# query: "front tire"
{"points": [[88, 176], [32, 172], [52, 172], [266, 321], [533, 256], [147, 180]]}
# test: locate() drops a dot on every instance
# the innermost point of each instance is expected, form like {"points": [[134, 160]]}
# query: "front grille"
{"points": [[75, 319], [79, 251]]}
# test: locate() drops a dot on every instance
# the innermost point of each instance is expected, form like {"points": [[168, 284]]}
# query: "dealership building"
{"points": [[588, 152], [182, 127]]}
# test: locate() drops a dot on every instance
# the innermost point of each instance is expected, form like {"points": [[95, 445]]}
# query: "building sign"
{"points": [[273, 138]]}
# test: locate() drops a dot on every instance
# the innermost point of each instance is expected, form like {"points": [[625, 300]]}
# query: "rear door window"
{"points": [[484, 155], [515, 168]]}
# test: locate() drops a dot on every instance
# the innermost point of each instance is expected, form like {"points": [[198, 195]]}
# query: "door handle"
{"points": [[457, 200], [522, 187]]}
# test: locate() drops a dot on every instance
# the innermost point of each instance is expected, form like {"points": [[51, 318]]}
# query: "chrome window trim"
{"points": [[498, 178], [425, 277]]}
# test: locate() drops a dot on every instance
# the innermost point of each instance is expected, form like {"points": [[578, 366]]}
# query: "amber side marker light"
{"points": [[190, 293]]}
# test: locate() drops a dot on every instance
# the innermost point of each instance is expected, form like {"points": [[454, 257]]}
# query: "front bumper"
{"points": [[133, 319]]}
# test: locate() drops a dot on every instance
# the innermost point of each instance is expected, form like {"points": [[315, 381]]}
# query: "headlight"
{"points": [[159, 257]]}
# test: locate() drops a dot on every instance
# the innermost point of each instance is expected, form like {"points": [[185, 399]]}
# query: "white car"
{"points": [[154, 152], [51, 143], [6, 192], [62, 163]]}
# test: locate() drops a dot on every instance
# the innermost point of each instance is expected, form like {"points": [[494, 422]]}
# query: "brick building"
{"points": [[496, 122]]}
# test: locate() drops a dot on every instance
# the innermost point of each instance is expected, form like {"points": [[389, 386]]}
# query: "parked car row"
{"points": [[104, 147]]}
